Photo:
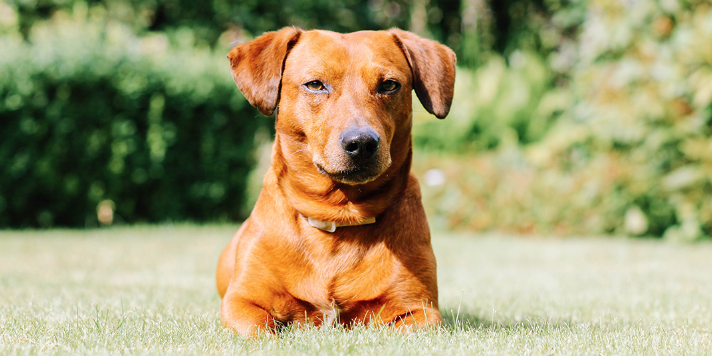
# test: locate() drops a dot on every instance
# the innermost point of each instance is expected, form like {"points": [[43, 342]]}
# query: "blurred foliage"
{"points": [[619, 143], [570, 116], [641, 111], [493, 104], [471, 27], [90, 112], [231, 20]]}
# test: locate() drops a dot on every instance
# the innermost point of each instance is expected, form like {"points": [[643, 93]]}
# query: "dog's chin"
{"points": [[352, 176]]}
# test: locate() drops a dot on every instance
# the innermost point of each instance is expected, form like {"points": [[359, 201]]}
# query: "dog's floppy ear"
{"points": [[433, 67], [257, 67]]}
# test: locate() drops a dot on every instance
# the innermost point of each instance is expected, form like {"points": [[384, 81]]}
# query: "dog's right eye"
{"points": [[315, 85], [389, 86]]}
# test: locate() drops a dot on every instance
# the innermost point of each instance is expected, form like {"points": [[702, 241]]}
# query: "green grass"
{"points": [[150, 290]]}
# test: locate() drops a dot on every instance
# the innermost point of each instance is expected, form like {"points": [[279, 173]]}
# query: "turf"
{"points": [[150, 290]]}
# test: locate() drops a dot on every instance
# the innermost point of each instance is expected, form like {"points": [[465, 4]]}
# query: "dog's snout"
{"points": [[360, 142]]}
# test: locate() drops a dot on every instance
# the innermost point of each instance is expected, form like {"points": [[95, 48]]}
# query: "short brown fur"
{"points": [[280, 269]]}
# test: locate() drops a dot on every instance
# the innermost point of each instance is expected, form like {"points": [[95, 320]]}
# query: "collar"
{"points": [[330, 226]]}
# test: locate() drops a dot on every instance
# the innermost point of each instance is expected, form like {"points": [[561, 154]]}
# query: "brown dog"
{"points": [[338, 233]]}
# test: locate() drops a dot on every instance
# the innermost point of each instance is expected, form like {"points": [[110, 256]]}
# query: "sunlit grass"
{"points": [[150, 290]]}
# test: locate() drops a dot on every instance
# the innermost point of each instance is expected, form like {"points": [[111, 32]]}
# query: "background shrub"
{"points": [[91, 112], [587, 117], [473, 28], [641, 111], [618, 142]]}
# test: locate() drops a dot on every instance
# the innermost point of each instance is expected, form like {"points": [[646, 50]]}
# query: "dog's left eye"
{"points": [[315, 85], [388, 86]]}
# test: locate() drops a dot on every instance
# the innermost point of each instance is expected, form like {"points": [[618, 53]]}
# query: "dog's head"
{"points": [[345, 99]]}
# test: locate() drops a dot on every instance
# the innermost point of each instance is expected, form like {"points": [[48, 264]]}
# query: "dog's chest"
{"points": [[330, 313], [347, 275]]}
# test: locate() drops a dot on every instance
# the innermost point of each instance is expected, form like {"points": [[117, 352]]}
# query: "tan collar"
{"points": [[330, 226]]}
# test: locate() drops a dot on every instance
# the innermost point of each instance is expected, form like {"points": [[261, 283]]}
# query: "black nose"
{"points": [[360, 142]]}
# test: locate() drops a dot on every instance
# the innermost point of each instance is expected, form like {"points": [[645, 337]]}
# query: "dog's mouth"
{"points": [[355, 175]]}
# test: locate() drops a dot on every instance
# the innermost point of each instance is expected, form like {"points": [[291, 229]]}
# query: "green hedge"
{"points": [[472, 28], [89, 112]]}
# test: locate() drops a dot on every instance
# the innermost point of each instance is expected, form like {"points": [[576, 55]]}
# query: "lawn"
{"points": [[150, 290]]}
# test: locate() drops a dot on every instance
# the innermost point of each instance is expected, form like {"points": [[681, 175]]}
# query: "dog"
{"points": [[338, 234]]}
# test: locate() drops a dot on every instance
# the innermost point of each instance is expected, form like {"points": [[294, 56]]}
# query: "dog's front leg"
{"points": [[245, 317], [419, 317]]}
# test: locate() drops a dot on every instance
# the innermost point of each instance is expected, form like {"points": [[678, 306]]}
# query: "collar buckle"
{"points": [[330, 226]]}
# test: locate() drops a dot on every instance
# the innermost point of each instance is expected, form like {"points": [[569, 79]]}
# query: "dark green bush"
{"points": [[89, 112], [210, 19], [471, 27]]}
